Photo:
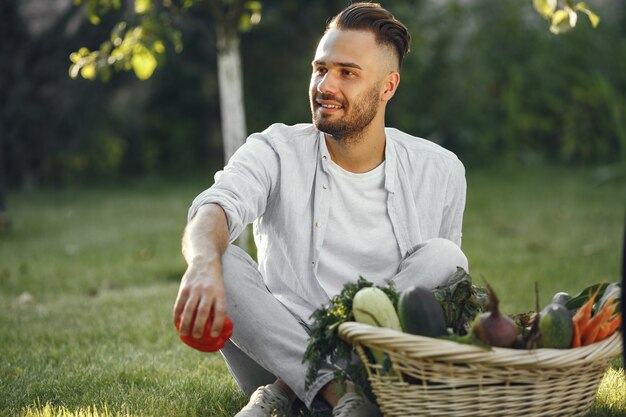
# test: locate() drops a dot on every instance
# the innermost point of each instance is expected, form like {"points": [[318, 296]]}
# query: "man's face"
{"points": [[346, 84]]}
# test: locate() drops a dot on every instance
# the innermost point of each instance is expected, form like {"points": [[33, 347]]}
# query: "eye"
{"points": [[348, 73], [320, 70]]}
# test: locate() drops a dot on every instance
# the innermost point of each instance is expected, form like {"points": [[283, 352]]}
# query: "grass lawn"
{"points": [[88, 278]]}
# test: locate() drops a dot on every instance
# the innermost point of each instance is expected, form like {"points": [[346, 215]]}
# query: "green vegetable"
{"points": [[460, 300], [556, 327], [420, 313], [561, 298], [325, 345], [581, 298], [372, 306], [612, 291]]}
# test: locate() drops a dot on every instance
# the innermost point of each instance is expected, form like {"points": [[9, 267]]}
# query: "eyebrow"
{"points": [[338, 64]]}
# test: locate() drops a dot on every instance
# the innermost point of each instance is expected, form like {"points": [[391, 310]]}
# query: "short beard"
{"points": [[350, 128]]}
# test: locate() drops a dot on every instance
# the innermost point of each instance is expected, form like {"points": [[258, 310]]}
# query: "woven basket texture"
{"points": [[434, 377]]}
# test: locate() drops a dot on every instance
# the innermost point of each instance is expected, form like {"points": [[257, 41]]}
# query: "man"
{"points": [[330, 201]]}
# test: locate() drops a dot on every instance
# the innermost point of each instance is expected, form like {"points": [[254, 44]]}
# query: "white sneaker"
{"points": [[268, 401], [355, 405]]}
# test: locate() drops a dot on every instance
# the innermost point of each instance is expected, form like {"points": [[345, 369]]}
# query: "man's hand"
{"points": [[201, 295]]}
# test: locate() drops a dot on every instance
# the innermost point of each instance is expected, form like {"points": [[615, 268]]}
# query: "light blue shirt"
{"points": [[279, 179]]}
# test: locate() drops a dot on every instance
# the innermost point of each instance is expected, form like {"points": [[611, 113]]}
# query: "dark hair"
{"points": [[372, 17]]}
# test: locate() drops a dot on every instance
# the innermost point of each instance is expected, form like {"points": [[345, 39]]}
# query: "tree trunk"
{"points": [[231, 100]]}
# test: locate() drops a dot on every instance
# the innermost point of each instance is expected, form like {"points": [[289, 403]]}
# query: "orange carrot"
{"points": [[583, 315], [576, 336], [609, 327], [590, 333]]}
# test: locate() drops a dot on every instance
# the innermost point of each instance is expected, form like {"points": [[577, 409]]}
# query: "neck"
{"points": [[358, 154]]}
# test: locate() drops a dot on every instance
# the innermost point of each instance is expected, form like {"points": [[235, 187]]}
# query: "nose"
{"points": [[327, 84]]}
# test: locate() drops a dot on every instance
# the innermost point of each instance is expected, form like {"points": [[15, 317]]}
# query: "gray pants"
{"points": [[269, 342]]}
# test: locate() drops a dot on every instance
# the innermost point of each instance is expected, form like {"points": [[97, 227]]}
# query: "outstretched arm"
{"points": [[202, 287]]}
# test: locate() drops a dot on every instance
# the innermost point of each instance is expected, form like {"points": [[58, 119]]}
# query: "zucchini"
{"points": [[420, 313]]}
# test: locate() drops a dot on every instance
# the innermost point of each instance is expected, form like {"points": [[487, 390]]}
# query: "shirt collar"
{"points": [[390, 158]]}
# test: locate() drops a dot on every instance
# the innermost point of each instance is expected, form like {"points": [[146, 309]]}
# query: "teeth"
{"points": [[329, 106]]}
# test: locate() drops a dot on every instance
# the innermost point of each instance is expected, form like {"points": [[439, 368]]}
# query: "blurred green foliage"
{"points": [[485, 79], [138, 44], [563, 15], [139, 41]]}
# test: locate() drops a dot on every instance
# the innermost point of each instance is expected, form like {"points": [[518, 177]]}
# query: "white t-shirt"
{"points": [[359, 237]]}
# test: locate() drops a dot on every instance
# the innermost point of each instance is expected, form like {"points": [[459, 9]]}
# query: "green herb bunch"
{"points": [[325, 345], [461, 301]]}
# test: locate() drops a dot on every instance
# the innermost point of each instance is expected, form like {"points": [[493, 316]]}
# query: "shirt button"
{"points": [[324, 157], [325, 186], [317, 224]]}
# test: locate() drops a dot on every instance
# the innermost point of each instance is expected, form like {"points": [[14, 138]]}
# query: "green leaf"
{"points": [[325, 346], [143, 6], [593, 18], [177, 40], [143, 62], [545, 8], [117, 33], [581, 298], [251, 15], [92, 12], [561, 22], [88, 71], [244, 22], [573, 17], [94, 19], [254, 6], [158, 47]]}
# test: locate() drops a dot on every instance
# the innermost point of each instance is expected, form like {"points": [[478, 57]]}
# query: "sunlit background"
{"points": [[107, 132], [485, 79]]}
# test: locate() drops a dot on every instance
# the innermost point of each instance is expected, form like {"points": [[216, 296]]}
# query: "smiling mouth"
{"points": [[328, 107]]}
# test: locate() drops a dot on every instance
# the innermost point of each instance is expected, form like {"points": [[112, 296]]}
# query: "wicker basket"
{"points": [[452, 379]]}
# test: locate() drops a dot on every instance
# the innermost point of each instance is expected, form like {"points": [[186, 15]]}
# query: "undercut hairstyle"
{"points": [[372, 17]]}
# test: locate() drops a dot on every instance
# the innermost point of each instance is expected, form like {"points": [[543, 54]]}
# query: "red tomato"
{"points": [[207, 343]]}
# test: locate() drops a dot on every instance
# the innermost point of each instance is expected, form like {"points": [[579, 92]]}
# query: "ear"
{"points": [[390, 85]]}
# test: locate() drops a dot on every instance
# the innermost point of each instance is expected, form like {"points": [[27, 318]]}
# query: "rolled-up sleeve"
{"points": [[456, 190], [244, 186]]}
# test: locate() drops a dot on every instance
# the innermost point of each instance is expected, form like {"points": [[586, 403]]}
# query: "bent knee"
{"points": [[447, 252], [430, 264]]}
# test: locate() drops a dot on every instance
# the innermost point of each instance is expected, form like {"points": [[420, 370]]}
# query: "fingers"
{"points": [[179, 305], [219, 317], [197, 304], [202, 316], [188, 314]]}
